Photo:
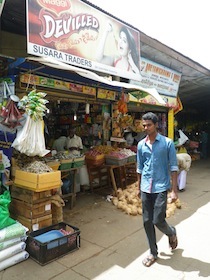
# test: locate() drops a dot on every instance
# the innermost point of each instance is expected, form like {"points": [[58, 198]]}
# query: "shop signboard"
{"points": [[106, 94], [165, 80], [76, 33], [178, 107], [29, 79]]}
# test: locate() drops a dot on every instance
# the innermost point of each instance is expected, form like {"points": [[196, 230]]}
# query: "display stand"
{"points": [[124, 174], [72, 195], [98, 177]]}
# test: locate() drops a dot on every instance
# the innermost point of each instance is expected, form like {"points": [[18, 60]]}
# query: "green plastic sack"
{"points": [[5, 219]]}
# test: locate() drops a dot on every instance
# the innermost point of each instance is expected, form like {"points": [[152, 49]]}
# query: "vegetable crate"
{"points": [[97, 160], [110, 160], [132, 158], [48, 244], [78, 162], [66, 164]]}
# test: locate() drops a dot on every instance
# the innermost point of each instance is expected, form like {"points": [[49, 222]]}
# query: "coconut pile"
{"points": [[129, 202]]}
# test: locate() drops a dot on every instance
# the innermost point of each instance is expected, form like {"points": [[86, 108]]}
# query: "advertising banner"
{"points": [[142, 97], [153, 75], [74, 32]]}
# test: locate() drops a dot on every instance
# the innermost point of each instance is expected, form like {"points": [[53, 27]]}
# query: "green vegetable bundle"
{"points": [[34, 104]]}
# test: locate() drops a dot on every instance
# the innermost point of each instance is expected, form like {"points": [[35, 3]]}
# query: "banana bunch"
{"points": [[34, 104]]}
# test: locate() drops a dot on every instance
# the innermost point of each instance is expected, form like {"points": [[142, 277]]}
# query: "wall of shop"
{"points": [[9, 45]]}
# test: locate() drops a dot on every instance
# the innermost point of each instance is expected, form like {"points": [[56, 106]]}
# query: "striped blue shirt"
{"points": [[155, 163]]}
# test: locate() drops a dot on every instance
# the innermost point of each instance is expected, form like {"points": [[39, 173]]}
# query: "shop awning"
{"points": [[49, 62]]}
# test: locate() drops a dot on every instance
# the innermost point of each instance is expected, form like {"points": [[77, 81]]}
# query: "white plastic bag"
{"points": [[183, 138], [30, 139]]}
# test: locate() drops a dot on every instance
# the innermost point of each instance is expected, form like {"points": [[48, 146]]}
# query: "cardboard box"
{"points": [[37, 182], [30, 210], [34, 224], [28, 195]]}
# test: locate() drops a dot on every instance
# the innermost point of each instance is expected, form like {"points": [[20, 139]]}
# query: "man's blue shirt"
{"points": [[156, 163]]}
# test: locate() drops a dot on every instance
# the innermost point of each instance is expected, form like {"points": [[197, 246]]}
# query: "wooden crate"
{"points": [[37, 182], [30, 210], [28, 195], [34, 224]]}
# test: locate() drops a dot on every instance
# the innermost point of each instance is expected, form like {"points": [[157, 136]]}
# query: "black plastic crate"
{"points": [[45, 252]]}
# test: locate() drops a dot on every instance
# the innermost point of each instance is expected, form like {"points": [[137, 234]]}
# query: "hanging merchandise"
{"points": [[9, 114], [122, 104], [30, 139]]}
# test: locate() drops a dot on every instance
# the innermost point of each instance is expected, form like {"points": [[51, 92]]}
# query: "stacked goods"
{"points": [[129, 202], [32, 209], [12, 245]]}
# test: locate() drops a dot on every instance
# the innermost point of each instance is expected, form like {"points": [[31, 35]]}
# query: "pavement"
{"points": [[113, 244]]}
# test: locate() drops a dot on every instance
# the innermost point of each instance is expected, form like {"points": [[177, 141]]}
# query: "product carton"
{"points": [[37, 182]]}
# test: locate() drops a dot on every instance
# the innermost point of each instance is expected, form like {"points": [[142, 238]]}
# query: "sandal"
{"points": [[173, 241], [149, 260]]}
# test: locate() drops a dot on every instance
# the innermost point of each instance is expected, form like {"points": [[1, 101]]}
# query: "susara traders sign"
{"points": [[76, 33]]}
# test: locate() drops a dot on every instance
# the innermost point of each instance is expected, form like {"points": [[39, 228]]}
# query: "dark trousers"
{"points": [[154, 214]]}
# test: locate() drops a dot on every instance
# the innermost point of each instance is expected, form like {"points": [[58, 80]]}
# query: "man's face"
{"points": [[71, 133], [149, 127]]}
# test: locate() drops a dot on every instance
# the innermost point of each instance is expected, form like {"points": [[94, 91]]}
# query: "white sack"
{"points": [[11, 251], [11, 242], [14, 260]]}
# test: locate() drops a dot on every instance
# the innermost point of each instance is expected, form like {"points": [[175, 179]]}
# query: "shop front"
{"points": [[55, 92]]}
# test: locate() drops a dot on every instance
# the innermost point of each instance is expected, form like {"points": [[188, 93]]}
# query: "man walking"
{"points": [[156, 161]]}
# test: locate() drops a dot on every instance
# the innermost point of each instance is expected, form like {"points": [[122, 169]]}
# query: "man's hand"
{"points": [[174, 195]]}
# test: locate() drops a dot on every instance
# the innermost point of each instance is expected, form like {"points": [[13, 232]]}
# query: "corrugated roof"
{"points": [[194, 88]]}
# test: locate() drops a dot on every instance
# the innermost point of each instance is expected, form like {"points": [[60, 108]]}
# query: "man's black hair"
{"points": [[151, 117]]}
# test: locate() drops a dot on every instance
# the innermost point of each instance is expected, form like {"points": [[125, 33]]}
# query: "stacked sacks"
{"points": [[12, 245]]}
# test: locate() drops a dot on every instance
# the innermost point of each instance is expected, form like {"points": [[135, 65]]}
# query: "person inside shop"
{"points": [[74, 143], [60, 140], [157, 174], [130, 140]]}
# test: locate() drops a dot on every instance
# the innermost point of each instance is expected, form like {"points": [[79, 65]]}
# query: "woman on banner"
{"points": [[128, 57]]}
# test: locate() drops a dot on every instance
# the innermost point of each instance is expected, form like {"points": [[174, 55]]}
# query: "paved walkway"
{"points": [[113, 244]]}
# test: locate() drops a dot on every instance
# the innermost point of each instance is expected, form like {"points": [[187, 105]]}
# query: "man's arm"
{"points": [[139, 182], [174, 194]]}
